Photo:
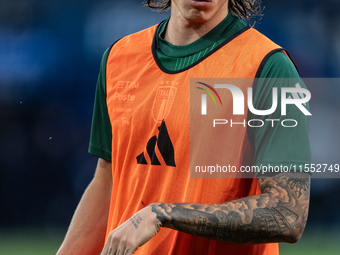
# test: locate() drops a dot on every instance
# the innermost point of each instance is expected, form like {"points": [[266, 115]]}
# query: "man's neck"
{"points": [[181, 31]]}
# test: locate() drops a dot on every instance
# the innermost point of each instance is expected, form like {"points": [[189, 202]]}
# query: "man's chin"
{"points": [[197, 16]]}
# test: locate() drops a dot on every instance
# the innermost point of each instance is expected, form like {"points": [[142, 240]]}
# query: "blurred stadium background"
{"points": [[50, 53]]}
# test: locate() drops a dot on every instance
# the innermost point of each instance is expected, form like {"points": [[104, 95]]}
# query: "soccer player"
{"points": [[142, 199]]}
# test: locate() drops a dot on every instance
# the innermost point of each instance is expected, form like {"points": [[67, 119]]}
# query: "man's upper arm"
{"points": [[280, 146]]}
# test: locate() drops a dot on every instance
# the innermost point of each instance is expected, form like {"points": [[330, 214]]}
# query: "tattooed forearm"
{"points": [[279, 214]]}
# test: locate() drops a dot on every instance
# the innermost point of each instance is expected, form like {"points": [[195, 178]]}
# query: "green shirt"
{"points": [[273, 145]]}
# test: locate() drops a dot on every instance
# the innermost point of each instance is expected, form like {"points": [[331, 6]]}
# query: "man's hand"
{"points": [[133, 233]]}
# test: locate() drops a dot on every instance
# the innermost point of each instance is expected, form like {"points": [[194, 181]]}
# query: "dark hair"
{"points": [[245, 9]]}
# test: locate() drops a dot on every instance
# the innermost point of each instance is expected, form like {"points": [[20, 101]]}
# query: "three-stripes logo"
{"points": [[204, 97], [164, 145]]}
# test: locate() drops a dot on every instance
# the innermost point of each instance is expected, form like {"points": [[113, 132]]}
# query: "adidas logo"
{"points": [[164, 146]]}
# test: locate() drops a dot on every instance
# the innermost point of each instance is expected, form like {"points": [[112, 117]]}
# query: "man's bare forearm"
{"points": [[279, 214], [86, 233]]}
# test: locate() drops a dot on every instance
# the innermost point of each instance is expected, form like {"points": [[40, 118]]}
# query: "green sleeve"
{"points": [[101, 132], [278, 145]]}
